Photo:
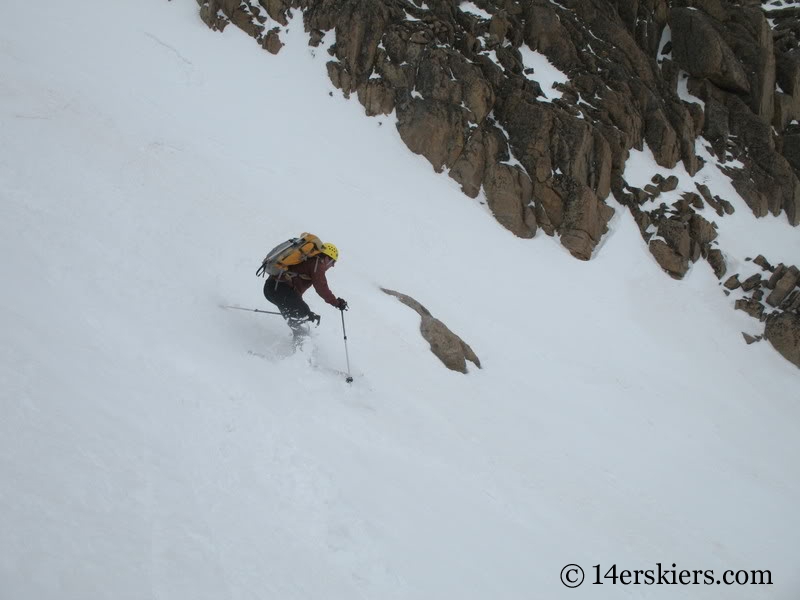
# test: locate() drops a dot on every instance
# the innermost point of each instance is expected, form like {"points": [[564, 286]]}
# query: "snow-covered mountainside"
{"points": [[154, 445], [535, 108]]}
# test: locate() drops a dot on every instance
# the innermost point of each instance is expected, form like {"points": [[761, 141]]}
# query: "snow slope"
{"points": [[153, 445]]}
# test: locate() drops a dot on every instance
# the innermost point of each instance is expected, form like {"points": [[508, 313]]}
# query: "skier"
{"points": [[287, 288]]}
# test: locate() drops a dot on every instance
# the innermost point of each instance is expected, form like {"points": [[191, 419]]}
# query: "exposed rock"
{"points": [[672, 262], [480, 150], [716, 127], [717, 261], [791, 150], [643, 221], [449, 77], [785, 111], [706, 194], [669, 184], [683, 210], [701, 230], [767, 183], [272, 42], [639, 195], [750, 339], [776, 276], [751, 282], [792, 302], [376, 97], [338, 76], [694, 199], [783, 286], [787, 70], [702, 51], [727, 207], [434, 129], [549, 208], [763, 263], [752, 307], [276, 9], [732, 282], [652, 190], [585, 221], [486, 146], [211, 14], [544, 31], [783, 332], [391, 52], [359, 26], [676, 234], [509, 192], [446, 345]]}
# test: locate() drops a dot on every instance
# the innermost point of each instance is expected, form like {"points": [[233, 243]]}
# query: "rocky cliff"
{"points": [[470, 84]]}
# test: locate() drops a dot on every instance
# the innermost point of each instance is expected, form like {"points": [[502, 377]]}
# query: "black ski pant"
{"points": [[289, 302]]}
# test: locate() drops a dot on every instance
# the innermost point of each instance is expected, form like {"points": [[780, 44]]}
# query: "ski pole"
{"points": [[266, 312], [349, 378]]}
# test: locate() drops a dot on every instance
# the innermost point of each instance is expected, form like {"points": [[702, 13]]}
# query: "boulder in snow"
{"points": [[783, 332], [446, 345]]}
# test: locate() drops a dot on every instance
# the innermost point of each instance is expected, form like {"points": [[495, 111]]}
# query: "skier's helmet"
{"points": [[330, 250]]}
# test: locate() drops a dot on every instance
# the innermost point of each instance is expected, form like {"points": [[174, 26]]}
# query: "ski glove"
{"points": [[313, 317], [341, 304]]}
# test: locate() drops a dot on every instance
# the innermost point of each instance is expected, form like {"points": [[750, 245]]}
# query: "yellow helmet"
{"points": [[330, 250]]}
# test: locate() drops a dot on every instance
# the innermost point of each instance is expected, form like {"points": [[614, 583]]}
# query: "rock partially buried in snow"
{"points": [[672, 262], [783, 332], [446, 345], [784, 286], [751, 339]]}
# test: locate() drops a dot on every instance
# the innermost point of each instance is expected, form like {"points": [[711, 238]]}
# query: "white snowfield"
{"points": [[153, 445]]}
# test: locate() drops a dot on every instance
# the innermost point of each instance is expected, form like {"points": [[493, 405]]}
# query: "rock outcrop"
{"points": [[677, 235], [468, 90], [703, 52], [772, 296], [466, 97], [446, 345], [783, 332]]}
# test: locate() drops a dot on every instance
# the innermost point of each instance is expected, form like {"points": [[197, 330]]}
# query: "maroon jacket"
{"points": [[312, 272]]}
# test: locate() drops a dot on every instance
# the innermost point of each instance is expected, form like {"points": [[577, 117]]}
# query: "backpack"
{"points": [[289, 253]]}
